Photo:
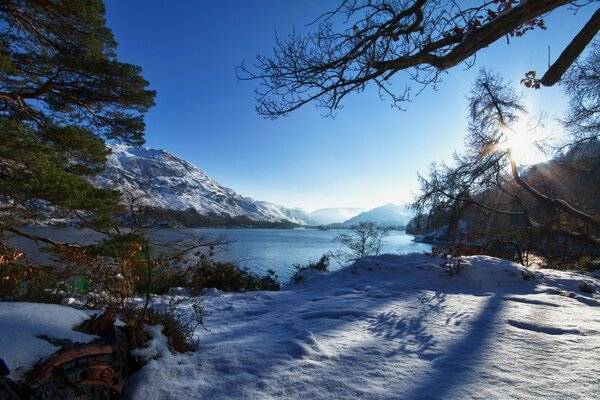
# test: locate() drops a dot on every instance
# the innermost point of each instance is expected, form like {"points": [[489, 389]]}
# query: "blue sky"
{"points": [[367, 156]]}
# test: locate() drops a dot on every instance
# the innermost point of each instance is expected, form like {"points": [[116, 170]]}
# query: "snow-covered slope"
{"points": [[387, 215], [166, 181], [389, 327], [325, 216], [394, 327]]}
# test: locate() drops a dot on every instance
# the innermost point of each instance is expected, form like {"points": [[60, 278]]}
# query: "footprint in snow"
{"points": [[254, 313], [306, 344], [334, 314], [530, 301], [549, 330], [317, 299]]}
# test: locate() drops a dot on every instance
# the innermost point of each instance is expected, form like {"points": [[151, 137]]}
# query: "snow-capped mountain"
{"points": [[163, 180], [326, 216], [387, 215]]}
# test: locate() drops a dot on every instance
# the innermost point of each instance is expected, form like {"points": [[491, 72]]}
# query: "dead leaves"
{"points": [[530, 81]]}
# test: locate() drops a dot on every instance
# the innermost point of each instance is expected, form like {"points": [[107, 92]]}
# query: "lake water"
{"points": [[261, 249]]}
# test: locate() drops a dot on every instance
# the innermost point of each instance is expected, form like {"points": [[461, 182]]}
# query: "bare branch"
{"points": [[378, 40], [572, 51]]}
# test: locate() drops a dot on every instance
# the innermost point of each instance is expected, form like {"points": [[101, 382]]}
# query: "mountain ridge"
{"points": [[162, 180], [333, 215], [386, 215]]}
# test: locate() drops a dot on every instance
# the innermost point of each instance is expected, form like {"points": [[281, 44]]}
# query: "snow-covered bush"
{"points": [[322, 265], [451, 255], [178, 322]]}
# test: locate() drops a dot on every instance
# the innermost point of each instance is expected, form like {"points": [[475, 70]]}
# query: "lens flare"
{"points": [[523, 142]]}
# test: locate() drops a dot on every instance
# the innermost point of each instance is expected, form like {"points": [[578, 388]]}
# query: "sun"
{"points": [[524, 143]]}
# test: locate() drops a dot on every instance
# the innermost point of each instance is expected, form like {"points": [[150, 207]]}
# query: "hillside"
{"points": [[388, 327], [161, 180], [387, 215], [334, 215]]}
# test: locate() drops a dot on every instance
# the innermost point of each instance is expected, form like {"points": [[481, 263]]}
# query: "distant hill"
{"points": [[387, 215], [334, 215], [166, 182]]}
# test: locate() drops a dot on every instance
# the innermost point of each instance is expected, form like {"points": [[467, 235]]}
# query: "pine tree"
{"points": [[62, 94]]}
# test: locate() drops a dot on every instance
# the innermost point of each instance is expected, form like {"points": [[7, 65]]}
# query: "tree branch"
{"points": [[551, 201], [42, 239], [572, 51]]}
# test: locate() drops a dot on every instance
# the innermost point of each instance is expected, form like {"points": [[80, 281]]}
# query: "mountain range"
{"points": [[334, 215], [161, 180], [386, 215]]}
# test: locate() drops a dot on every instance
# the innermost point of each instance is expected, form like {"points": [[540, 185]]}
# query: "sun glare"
{"points": [[523, 143]]}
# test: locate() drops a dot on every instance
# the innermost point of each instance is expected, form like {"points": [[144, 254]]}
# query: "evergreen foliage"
{"points": [[322, 266], [230, 277], [62, 93]]}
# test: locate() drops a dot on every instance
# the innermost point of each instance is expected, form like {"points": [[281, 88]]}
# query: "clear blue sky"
{"points": [[367, 156]]}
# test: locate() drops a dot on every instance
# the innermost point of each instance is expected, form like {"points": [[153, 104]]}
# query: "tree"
{"points": [[369, 41], [582, 85], [364, 239], [502, 205], [62, 93]]}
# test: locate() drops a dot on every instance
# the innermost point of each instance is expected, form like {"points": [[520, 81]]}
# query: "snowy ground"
{"points": [[30, 332], [392, 327]]}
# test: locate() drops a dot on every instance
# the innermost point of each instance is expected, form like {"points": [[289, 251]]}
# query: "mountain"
{"points": [[302, 215], [162, 180], [387, 215], [326, 216]]}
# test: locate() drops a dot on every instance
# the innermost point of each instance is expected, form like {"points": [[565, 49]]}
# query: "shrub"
{"points": [[585, 263], [451, 255], [322, 265], [22, 280], [179, 323], [364, 239], [123, 266], [229, 277]]}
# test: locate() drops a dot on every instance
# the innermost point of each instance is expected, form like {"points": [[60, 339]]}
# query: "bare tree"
{"points": [[364, 239], [369, 41], [582, 85], [486, 178]]}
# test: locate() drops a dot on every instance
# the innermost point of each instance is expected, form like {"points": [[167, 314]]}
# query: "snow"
{"points": [[386, 215], [394, 327], [157, 347], [160, 179], [326, 216], [26, 328], [387, 327]]}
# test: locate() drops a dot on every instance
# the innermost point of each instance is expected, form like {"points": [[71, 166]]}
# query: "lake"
{"points": [[260, 249]]}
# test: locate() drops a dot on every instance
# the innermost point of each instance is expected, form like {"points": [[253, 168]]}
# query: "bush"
{"points": [[123, 266], [364, 239], [229, 277], [178, 325], [21, 280], [322, 265], [585, 264]]}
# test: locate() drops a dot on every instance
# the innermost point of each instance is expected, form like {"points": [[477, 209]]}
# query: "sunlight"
{"points": [[523, 141]]}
